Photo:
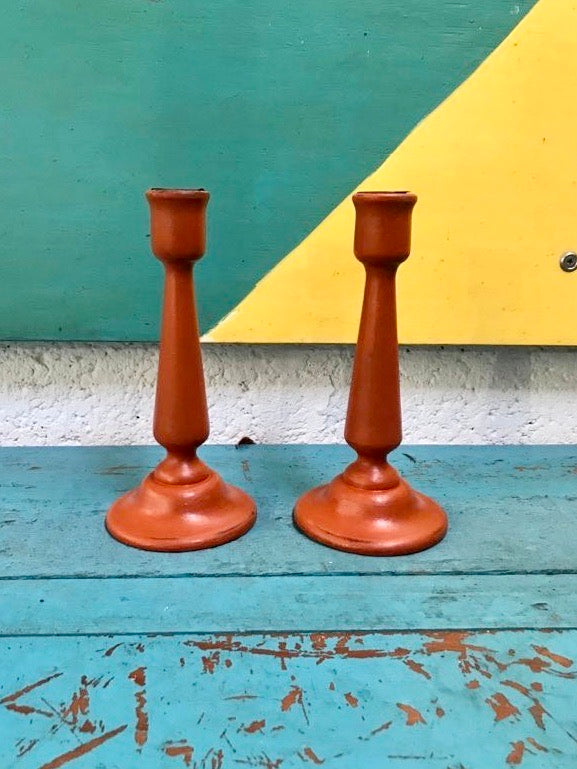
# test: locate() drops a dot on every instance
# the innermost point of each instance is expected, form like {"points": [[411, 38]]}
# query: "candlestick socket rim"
{"points": [[384, 196], [177, 193]]}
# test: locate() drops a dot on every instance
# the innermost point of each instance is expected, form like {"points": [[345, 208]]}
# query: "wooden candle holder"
{"points": [[369, 508], [182, 504]]}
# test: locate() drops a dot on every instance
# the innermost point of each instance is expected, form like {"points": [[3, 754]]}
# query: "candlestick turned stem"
{"points": [[182, 504], [369, 508]]}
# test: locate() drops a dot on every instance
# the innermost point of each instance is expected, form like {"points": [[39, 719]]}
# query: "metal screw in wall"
{"points": [[568, 261]]}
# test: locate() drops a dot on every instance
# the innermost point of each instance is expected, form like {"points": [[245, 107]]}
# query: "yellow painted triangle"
{"points": [[495, 169]]}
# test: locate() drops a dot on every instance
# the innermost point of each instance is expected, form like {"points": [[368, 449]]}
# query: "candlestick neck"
{"points": [[181, 413]]}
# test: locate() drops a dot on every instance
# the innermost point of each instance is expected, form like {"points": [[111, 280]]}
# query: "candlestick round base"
{"points": [[179, 517], [392, 521]]}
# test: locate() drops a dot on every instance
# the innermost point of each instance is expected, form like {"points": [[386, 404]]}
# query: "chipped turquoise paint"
{"points": [[278, 110], [274, 651], [371, 700]]}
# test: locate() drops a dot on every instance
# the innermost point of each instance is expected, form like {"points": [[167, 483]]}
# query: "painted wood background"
{"points": [[279, 112], [274, 651]]}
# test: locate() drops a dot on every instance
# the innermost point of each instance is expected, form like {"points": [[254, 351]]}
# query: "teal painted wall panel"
{"points": [[279, 110]]}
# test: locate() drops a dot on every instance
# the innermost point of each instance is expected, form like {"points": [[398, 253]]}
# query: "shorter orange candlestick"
{"points": [[369, 508], [182, 504]]}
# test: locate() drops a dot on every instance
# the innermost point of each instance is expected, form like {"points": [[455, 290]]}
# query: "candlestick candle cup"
{"points": [[369, 508], [182, 504]]}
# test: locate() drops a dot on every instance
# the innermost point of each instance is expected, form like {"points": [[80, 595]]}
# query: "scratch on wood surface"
{"points": [[109, 652], [413, 715], [28, 710], [26, 748], [83, 749], [17, 694], [382, 727]]}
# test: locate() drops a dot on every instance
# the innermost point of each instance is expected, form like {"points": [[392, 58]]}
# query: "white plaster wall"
{"points": [[103, 393]]}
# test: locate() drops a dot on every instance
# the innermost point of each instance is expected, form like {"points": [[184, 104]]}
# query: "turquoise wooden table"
{"points": [[274, 651]]}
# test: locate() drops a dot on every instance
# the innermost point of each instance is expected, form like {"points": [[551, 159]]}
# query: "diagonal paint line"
{"points": [[81, 750], [16, 695]]}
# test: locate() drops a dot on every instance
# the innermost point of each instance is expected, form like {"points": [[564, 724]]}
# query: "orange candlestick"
{"points": [[182, 504], [369, 508]]}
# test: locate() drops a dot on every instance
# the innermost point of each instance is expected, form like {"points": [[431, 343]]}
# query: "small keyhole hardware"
{"points": [[568, 261]]}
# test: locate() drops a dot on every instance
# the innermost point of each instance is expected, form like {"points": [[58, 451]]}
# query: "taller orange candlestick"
{"points": [[369, 508], [182, 504]]}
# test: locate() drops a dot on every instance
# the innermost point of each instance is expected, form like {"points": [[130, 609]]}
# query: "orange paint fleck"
{"points": [[138, 676], [216, 760], [342, 645], [293, 697], [141, 730], [310, 754], [537, 745], [255, 726], [88, 727], [535, 664], [518, 687], [417, 667], [318, 641], [516, 754], [502, 707], [413, 715], [399, 652], [474, 684], [538, 687], [565, 662], [332, 686], [440, 712], [351, 700], [538, 711], [79, 705], [180, 749], [228, 663], [209, 663]]}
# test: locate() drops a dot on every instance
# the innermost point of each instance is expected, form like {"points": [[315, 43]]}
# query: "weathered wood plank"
{"points": [[401, 701], [510, 508], [242, 604]]}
